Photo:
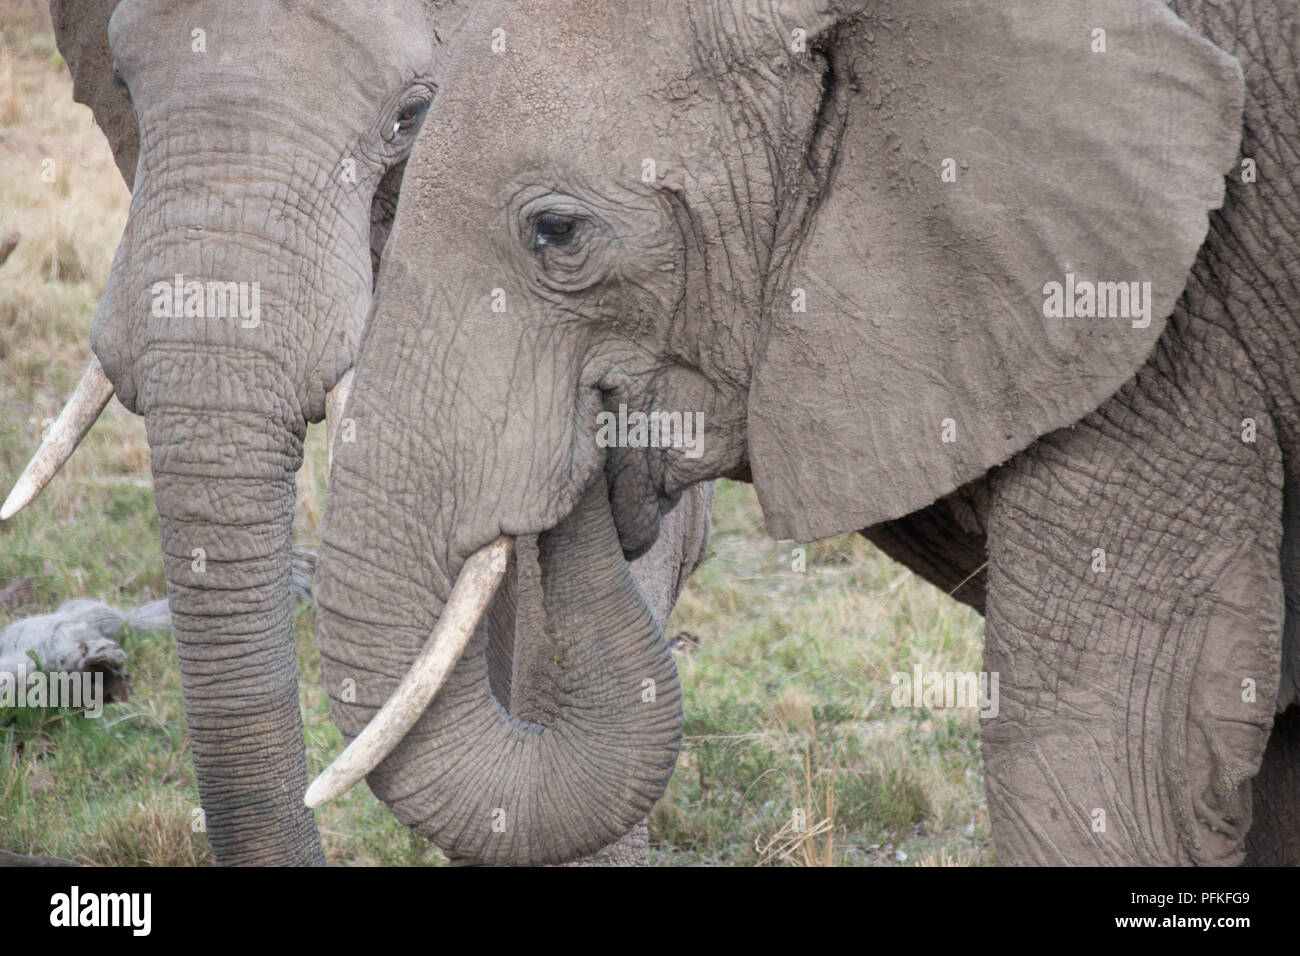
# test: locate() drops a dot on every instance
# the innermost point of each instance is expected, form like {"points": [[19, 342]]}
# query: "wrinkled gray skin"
{"points": [[269, 157], [1127, 732]]}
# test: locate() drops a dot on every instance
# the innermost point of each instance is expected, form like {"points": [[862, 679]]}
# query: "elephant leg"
{"points": [[631, 849], [1274, 838], [1135, 616], [944, 543]]}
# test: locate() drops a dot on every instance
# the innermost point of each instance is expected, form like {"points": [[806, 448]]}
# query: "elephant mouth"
{"points": [[653, 443], [635, 501], [641, 492]]}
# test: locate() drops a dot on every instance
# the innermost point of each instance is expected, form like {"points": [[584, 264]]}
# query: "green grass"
{"points": [[793, 754], [787, 699]]}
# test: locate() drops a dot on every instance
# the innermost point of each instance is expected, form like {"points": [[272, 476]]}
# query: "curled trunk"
{"points": [[486, 786]]}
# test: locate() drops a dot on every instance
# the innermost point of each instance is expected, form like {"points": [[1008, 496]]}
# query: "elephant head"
{"points": [[830, 228], [264, 145]]}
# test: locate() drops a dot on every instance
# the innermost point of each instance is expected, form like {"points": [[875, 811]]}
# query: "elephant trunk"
{"points": [[224, 487], [224, 325], [486, 786]]}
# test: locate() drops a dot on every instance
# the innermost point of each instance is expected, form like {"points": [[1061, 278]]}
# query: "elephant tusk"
{"points": [[335, 402], [477, 583], [92, 394]]}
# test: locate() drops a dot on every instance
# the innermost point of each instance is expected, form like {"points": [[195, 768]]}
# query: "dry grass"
{"points": [[166, 833]]}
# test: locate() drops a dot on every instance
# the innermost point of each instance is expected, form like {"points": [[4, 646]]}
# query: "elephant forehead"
{"points": [[559, 81], [559, 56], [385, 41]]}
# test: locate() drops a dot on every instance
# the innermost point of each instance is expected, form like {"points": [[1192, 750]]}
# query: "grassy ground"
{"points": [[793, 753]]}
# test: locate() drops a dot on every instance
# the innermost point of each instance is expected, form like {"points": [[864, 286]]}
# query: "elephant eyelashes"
{"points": [[409, 116], [553, 230]]}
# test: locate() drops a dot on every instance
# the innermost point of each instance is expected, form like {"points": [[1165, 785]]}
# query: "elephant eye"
{"points": [[409, 116], [554, 230], [567, 240], [120, 82]]}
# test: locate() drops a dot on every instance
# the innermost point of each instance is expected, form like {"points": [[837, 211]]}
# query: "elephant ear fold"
{"points": [[81, 31], [978, 167]]}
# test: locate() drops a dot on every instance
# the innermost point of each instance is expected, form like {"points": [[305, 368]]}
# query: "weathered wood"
{"points": [[19, 859], [82, 634], [80, 637]]}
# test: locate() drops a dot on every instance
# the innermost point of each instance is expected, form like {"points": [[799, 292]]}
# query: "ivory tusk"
{"points": [[92, 394], [335, 402], [477, 583]]}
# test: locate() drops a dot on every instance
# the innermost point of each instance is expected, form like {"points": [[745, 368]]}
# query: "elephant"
{"points": [[265, 147], [1010, 288]]}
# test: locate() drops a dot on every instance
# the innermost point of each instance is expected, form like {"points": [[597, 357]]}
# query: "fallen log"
{"points": [[81, 636], [19, 859]]}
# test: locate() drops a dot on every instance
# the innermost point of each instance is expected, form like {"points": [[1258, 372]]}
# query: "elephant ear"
{"points": [[968, 155], [81, 31]]}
